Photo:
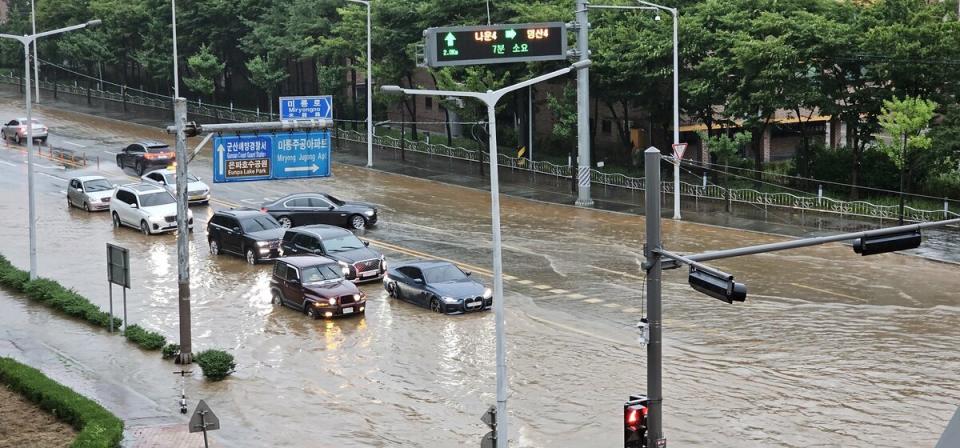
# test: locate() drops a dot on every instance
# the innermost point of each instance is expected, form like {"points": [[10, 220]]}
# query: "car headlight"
{"points": [[332, 301], [357, 297], [344, 268], [487, 293], [450, 300], [369, 212], [263, 243]]}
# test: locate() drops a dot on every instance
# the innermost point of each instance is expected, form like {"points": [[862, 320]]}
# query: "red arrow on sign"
{"points": [[678, 150]]}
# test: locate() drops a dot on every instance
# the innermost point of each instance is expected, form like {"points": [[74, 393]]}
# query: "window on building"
{"points": [[429, 103], [606, 126]]}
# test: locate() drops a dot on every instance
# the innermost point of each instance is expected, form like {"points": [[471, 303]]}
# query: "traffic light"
{"points": [[717, 286], [490, 419], [887, 243], [635, 422]]}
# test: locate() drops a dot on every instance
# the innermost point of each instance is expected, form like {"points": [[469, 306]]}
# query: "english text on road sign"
{"points": [[491, 44], [306, 107], [204, 419], [678, 150], [241, 158]]}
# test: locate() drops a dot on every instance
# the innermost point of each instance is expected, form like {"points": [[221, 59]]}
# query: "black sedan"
{"points": [[303, 209], [438, 285]]}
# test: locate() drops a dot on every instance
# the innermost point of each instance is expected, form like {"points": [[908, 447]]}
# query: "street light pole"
{"points": [[26, 41], [583, 109], [369, 86], [676, 101], [36, 67], [654, 269], [490, 99]]}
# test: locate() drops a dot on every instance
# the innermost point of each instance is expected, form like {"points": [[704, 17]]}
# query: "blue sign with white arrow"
{"points": [[242, 158], [306, 107]]}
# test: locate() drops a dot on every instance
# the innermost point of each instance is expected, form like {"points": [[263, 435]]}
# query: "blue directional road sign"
{"points": [[306, 107], [242, 158]]}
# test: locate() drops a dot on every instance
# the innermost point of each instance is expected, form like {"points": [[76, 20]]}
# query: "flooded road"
{"points": [[830, 349]]}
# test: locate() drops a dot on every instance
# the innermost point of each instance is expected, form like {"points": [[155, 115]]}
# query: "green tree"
{"points": [[266, 75], [205, 69], [906, 122]]}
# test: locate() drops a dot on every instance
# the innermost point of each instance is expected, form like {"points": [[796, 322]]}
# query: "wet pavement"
{"points": [[831, 349]]}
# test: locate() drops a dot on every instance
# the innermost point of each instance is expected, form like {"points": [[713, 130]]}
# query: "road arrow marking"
{"points": [[293, 169], [220, 165], [450, 39], [510, 34]]}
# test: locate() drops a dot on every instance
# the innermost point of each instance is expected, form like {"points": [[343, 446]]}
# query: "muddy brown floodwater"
{"points": [[830, 349]]}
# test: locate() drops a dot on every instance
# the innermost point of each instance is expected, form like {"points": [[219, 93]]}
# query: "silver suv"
{"points": [[150, 208]]}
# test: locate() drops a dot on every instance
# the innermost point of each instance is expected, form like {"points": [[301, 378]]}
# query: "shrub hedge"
{"points": [[97, 427], [216, 364], [147, 340], [171, 351]]}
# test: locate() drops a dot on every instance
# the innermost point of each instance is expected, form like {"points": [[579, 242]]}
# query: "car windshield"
{"points": [[322, 273], [446, 273], [163, 148], [342, 243], [334, 200], [172, 178], [155, 199], [258, 223], [97, 185]]}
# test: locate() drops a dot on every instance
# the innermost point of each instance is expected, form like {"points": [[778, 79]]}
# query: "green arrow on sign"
{"points": [[450, 39], [510, 34]]}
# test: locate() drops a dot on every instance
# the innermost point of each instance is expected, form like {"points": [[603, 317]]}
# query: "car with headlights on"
{"points": [[303, 209], [197, 191], [91, 193], [146, 207], [252, 234], [315, 285], [17, 130], [438, 285], [359, 262]]}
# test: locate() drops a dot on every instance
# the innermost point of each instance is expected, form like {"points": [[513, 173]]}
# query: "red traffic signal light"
{"points": [[635, 422]]}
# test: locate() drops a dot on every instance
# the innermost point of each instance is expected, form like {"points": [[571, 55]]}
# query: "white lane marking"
{"points": [[559, 291], [542, 287], [525, 282], [110, 152], [631, 310], [249, 201], [49, 167], [577, 296], [51, 176], [74, 144], [8, 163], [612, 305], [593, 300]]}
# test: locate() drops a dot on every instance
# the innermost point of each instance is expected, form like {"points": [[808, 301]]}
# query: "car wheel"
{"points": [[251, 256], [214, 247], [116, 220], [17, 138], [392, 290], [311, 313], [435, 306], [139, 168], [119, 162], [277, 300], [86, 206], [285, 222], [3, 135], [144, 228], [358, 222]]}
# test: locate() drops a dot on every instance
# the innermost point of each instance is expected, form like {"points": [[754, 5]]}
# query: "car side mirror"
{"points": [[330, 208], [235, 230], [134, 205], [295, 281], [418, 280], [366, 243], [318, 251], [79, 189], [467, 273]]}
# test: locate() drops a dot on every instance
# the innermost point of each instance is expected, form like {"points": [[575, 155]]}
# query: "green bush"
{"points": [[97, 427], [54, 295], [216, 364], [147, 340], [171, 351]]}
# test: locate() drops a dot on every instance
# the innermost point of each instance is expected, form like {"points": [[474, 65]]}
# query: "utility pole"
{"points": [[654, 318], [583, 108], [36, 62], [183, 233]]}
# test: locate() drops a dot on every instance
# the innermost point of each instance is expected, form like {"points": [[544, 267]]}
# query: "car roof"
{"points": [[144, 188], [89, 178], [425, 264], [322, 230], [306, 261], [304, 194], [240, 212], [162, 171]]}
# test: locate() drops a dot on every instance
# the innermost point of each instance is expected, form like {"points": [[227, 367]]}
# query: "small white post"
{"points": [[704, 180]]}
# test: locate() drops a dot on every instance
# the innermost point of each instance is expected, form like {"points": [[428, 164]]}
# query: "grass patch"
{"points": [[171, 351], [147, 340], [216, 364], [98, 427]]}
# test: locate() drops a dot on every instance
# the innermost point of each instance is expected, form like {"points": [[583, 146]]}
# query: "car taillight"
{"points": [[263, 209]]}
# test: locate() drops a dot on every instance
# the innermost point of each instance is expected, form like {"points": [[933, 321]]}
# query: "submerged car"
{"points": [[249, 233], [359, 262], [303, 209], [315, 285], [146, 207], [17, 130], [438, 285], [197, 191], [91, 193]]}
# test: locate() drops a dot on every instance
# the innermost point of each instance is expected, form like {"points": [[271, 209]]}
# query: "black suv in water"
{"points": [[359, 262], [249, 233], [146, 156]]}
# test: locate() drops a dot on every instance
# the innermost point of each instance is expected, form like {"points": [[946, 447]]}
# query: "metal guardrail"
{"points": [[861, 209]]}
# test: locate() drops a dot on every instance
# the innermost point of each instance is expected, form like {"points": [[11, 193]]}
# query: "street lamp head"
{"points": [[391, 89], [657, 17], [94, 23]]}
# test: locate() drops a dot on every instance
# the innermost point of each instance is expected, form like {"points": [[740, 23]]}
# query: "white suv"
{"points": [[150, 208]]}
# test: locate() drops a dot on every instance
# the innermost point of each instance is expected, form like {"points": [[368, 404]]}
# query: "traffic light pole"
{"points": [[883, 240], [583, 108]]}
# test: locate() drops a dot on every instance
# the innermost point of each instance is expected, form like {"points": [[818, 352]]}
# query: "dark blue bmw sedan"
{"points": [[438, 285]]}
